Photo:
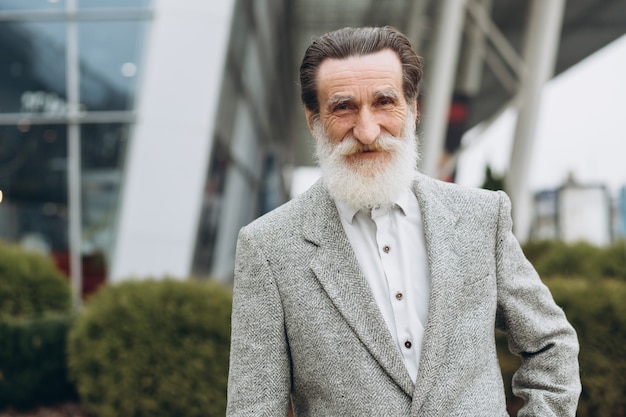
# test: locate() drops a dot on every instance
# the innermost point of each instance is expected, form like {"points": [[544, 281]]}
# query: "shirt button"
{"points": [[398, 296], [408, 344], [386, 248]]}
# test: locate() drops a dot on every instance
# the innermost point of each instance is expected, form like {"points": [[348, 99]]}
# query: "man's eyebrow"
{"points": [[333, 101], [387, 94]]}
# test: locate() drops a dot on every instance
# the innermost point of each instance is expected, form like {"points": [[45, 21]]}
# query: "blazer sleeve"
{"points": [[259, 374], [537, 330]]}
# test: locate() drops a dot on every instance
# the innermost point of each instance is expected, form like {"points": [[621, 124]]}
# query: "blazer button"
{"points": [[408, 344]]}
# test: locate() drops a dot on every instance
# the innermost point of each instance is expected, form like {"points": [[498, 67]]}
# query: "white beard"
{"points": [[368, 183]]}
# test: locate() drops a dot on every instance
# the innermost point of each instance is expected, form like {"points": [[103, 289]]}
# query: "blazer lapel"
{"points": [[441, 246], [338, 272]]}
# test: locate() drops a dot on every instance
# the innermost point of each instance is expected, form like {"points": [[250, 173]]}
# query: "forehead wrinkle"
{"points": [[350, 77], [346, 68]]}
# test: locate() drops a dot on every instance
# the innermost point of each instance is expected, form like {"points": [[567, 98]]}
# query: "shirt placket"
{"points": [[389, 252]]}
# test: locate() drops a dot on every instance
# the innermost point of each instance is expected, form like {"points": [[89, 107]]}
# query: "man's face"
{"points": [[365, 132], [361, 98]]}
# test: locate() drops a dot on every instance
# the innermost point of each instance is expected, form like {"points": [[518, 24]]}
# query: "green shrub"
{"points": [[612, 261], [153, 348], [32, 361], [30, 284], [569, 260], [35, 302], [536, 249], [597, 311], [556, 258]]}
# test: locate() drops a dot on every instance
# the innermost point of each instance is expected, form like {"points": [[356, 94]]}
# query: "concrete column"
{"points": [[441, 72], [471, 71], [170, 146], [540, 52]]}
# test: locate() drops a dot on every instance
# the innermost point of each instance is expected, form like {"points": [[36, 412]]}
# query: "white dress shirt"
{"points": [[391, 250]]}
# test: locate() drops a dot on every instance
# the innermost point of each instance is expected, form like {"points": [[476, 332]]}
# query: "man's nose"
{"points": [[367, 128]]}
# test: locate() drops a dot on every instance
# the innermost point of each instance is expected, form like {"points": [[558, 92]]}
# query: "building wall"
{"points": [[573, 213], [585, 215]]}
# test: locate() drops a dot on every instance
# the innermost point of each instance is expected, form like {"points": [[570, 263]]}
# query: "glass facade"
{"points": [[36, 81], [76, 138], [109, 54], [37, 5], [32, 67], [251, 136], [34, 185]]}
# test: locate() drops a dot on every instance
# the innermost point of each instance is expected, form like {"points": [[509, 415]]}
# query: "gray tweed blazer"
{"points": [[306, 329]]}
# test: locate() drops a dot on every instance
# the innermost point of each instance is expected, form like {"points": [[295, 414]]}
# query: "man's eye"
{"points": [[385, 102], [341, 107]]}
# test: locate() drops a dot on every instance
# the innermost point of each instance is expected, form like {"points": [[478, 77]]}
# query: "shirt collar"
{"points": [[403, 202]]}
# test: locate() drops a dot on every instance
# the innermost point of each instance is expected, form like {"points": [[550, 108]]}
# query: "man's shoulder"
{"points": [[289, 215], [453, 194], [454, 191]]}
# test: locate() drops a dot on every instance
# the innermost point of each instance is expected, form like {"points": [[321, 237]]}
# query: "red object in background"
{"points": [[458, 116], [458, 112], [94, 270]]}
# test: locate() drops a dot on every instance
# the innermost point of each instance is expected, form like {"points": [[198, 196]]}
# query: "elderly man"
{"points": [[377, 292]]}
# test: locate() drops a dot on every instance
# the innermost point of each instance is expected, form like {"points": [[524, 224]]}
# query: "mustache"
{"points": [[350, 146]]}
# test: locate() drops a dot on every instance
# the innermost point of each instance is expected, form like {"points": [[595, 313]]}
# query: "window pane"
{"points": [[109, 63], [32, 67], [113, 4], [102, 156], [32, 4], [33, 168], [33, 181]]}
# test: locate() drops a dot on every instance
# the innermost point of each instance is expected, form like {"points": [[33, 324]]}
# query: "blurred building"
{"points": [[573, 213], [146, 120], [138, 136]]}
